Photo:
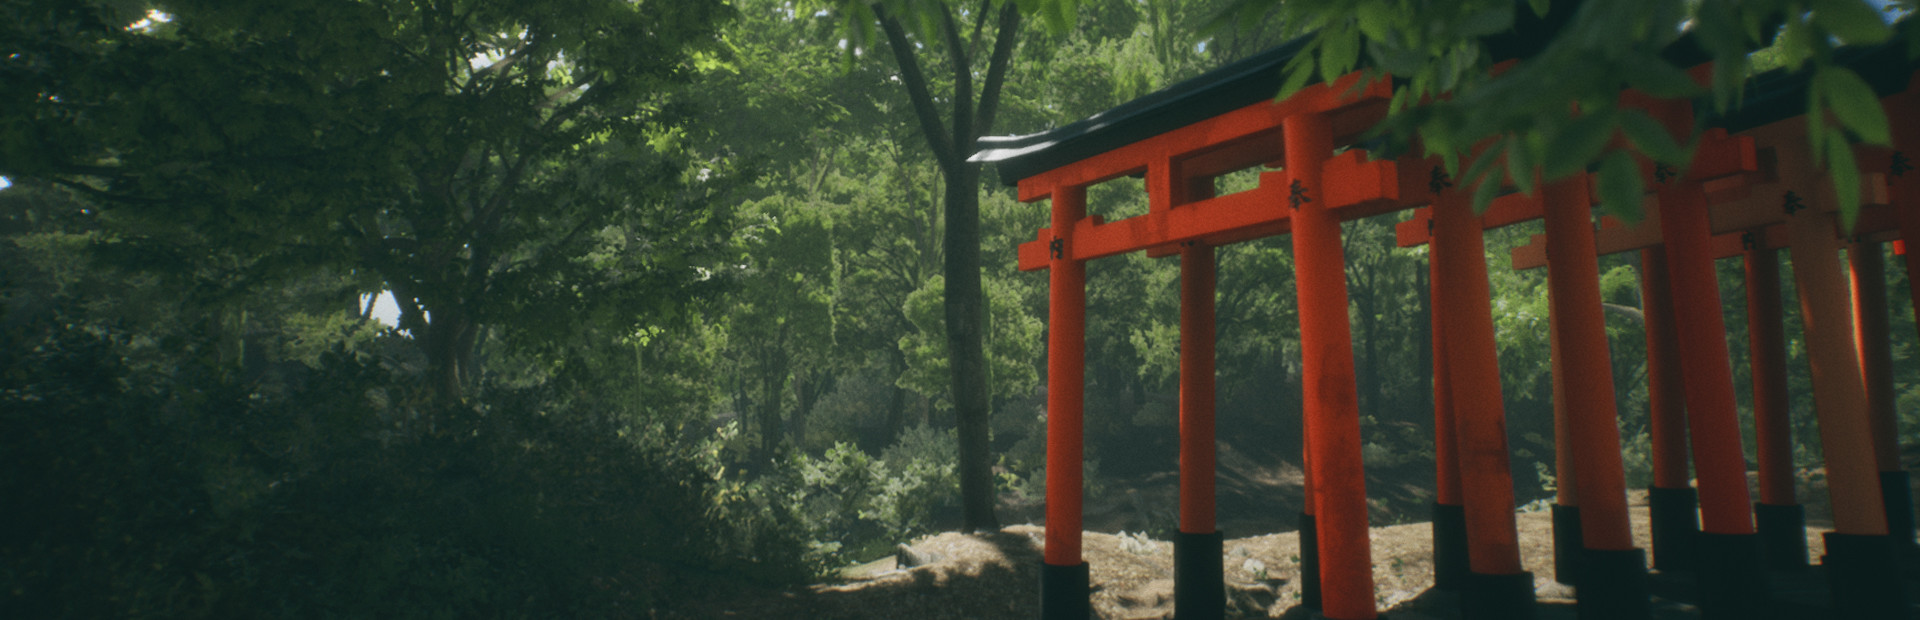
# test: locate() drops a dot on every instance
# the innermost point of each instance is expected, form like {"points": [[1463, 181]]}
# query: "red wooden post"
{"points": [[1198, 576], [1499, 588], [1612, 572], [1903, 195], [1845, 436], [1450, 563], [1782, 520], [1731, 579], [1869, 279], [1326, 343], [1063, 582], [1672, 503], [1567, 546]]}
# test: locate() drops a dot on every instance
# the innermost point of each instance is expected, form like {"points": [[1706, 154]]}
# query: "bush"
{"points": [[856, 507], [339, 491]]}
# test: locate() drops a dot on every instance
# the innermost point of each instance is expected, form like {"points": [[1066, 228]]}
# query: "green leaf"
{"points": [[1652, 139], [1854, 21], [1620, 186], [1656, 77], [1540, 7], [1846, 181], [1493, 19], [1375, 20], [1484, 191], [1578, 141], [1482, 165], [1521, 164], [1854, 103], [1338, 51], [1298, 74]]}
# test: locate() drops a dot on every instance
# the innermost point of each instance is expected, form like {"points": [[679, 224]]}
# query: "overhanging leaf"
{"points": [[1853, 103], [1652, 139], [1621, 187], [1854, 21], [1578, 141]]}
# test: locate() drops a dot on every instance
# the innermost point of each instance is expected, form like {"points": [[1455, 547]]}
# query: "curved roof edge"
{"points": [[1238, 84]]}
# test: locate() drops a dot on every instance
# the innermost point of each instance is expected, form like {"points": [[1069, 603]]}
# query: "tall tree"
{"points": [[950, 122], [491, 163]]}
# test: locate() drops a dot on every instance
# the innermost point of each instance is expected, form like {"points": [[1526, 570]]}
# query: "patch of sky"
{"points": [[384, 309], [5, 183], [154, 18]]}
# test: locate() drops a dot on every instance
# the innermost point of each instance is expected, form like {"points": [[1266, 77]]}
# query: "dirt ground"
{"points": [[996, 576]]}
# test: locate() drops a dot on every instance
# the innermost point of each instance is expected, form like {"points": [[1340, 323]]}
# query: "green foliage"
{"points": [[1013, 344], [1448, 97], [513, 167], [855, 507], [333, 490]]}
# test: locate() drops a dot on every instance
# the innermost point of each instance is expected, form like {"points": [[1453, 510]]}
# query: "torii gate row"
{"points": [[1753, 209], [1307, 199]]}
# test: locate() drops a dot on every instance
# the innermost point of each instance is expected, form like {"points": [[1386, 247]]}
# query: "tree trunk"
{"points": [[965, 302], [966, 334]]}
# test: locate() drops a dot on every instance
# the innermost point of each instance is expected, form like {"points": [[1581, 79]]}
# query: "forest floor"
{"points": [[995, 575]]}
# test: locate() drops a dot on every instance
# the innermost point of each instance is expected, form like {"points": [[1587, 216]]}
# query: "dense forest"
{"points": [[460, 308]]}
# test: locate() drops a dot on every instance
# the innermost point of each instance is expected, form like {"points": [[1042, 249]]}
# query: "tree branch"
{"points": [[962, 67], [1003, 44], [916, 82]]}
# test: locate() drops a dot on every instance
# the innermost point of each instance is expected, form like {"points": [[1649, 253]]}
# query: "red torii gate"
{"points": [[1307, 198]]}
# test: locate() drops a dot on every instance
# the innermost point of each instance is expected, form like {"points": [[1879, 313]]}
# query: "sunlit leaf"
{"points": [[1338, 51], [1854, 21], [1854, 103]]}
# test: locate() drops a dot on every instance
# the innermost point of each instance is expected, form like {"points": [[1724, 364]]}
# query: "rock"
{"points": [[906, 557]]}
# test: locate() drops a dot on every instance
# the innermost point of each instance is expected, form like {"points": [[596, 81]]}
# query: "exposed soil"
{"points": [[996, 575]]}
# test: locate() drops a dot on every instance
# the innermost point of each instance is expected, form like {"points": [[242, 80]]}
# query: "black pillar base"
{"points": [[1199, 581], [1675, 518], [1783, 535], [1897, 491], [1733, 584], [1567, 544], [1449, 546], [1498, 597], [1309, 563], [1864, 572], [1063, 592], [1613, 585]]}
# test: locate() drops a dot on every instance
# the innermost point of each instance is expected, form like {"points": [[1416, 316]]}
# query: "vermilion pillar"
{"points": [[1839, 396], [1672, 503], [1450, 563], [1063, 576], [1782, 520], [1731, 580], [1869, 279], [1903, 194], [1499, 587], [1613, 578], [1860, 563], [1567, 546], [1198, 590], [1326, 344]]}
